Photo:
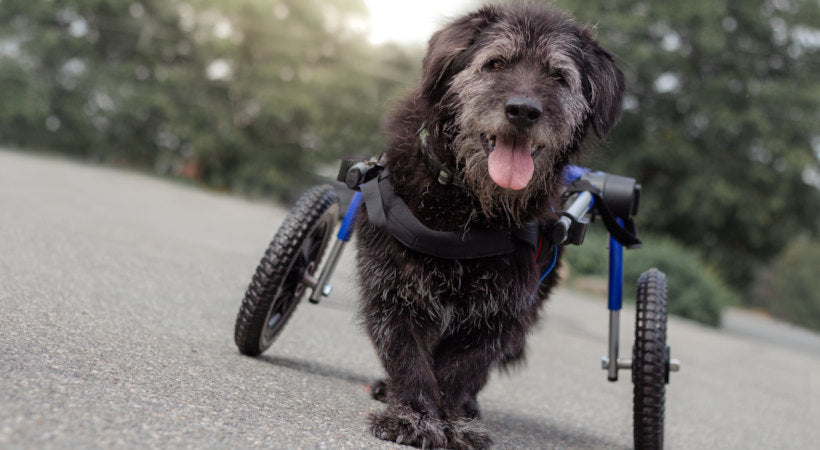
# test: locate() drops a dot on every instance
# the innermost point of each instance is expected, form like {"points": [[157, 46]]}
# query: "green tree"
{"points": [[302, 87], [252, 96], [110, 74], [719, 122]]}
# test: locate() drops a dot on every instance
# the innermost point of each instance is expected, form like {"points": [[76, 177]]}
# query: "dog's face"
{"points": [[523, 85]]}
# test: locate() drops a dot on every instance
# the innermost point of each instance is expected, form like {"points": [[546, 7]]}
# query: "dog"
{"points": [[508, 95]]}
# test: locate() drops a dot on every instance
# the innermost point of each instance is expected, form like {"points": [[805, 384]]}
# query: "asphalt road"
{"points": [[118, 294]]}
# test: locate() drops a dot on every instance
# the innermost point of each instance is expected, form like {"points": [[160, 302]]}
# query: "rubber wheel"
{"points": [[650, 360], [277, 286]]}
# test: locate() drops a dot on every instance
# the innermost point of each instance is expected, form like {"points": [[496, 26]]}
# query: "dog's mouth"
{"points": [[510, 160]]}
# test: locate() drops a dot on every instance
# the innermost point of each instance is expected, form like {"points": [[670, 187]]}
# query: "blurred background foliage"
{"points": [[253, 96], [260, 97], [694, 288]]}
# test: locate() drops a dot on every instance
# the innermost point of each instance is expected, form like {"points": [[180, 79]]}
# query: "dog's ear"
{"points": [[447, 47], [604, 85]]}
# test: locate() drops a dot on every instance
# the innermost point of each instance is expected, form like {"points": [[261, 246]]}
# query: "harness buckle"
{"points": [[444, 177]]}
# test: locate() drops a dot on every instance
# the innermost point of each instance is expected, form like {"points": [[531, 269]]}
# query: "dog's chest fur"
{"points": [[445, 293]]}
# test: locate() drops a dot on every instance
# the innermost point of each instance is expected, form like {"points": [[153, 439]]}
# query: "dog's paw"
{"points": [[467, 434], [402, 425], [378, 390]]}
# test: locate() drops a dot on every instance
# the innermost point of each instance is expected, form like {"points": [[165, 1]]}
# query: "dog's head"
{"points": [[523, 85]]}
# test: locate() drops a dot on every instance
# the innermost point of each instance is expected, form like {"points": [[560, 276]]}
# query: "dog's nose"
{"points": [[522, 111]]}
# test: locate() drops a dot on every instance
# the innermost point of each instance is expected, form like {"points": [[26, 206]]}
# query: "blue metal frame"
{"points": [[616, 273], [346, 231]]}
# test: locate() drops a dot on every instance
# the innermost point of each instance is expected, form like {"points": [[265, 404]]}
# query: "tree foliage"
{"points": [[720, 120], [251, 95]]}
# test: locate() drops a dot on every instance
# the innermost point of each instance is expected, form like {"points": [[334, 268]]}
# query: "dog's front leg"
{"points": [[462, 363], [412, 415]]}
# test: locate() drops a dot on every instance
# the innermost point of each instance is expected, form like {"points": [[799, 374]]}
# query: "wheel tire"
{"points": [[650, 361], [277, 286]]}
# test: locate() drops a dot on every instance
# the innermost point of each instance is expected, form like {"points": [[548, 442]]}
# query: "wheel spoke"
{"points": [[304, 251]]}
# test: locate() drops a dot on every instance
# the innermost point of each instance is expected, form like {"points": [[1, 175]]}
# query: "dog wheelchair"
{"points": [[292, 266]]}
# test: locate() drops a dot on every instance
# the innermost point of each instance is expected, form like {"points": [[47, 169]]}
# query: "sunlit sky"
{"points": [[411, 21]]}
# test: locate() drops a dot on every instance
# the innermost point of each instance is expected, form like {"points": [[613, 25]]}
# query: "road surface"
{"points": [[118, 294]]}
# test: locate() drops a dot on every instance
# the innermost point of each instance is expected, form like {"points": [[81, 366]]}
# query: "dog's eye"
{"points": [[560, 76], [496, 64]]}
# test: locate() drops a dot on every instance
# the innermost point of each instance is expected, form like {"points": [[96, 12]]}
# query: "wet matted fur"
{"points": [[508, 95]]}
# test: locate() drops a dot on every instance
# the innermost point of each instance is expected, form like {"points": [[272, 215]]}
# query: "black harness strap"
{"points": [[388, 210]]}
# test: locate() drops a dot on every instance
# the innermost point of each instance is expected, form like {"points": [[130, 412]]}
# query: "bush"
{"points": [[694, 290], [789, 288]]}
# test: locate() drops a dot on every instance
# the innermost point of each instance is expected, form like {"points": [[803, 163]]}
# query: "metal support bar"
{"points": [[574, 213], [614, 335], [615, 287], [320, 287], [623, 363], [615, 301], [309, 280]]}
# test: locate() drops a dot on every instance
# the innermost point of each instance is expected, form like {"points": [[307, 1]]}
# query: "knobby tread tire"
{"points": [[650, 361], [279, 271]]}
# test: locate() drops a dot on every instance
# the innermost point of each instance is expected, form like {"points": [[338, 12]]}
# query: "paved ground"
{"points": [[118, 294]]}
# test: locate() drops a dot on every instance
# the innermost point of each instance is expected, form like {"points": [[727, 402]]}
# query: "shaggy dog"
{"points": [[508, 95]]}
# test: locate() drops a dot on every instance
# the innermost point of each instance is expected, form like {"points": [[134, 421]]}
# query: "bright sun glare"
{"points": [[411, 21]]}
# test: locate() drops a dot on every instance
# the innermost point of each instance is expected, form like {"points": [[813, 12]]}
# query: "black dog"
{"points": [[508, 95]]}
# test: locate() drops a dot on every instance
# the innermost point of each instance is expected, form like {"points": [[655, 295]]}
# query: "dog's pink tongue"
{"points": [[510, 163]]}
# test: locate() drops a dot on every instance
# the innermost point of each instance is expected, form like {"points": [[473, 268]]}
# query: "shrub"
{"points": [[789, 287], [694, 290]]}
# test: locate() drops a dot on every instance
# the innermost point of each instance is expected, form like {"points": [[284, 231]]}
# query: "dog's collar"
{"points": [[443, 175]]}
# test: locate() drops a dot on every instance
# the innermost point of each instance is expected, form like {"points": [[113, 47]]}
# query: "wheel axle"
{"points": [[626, 364]]}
